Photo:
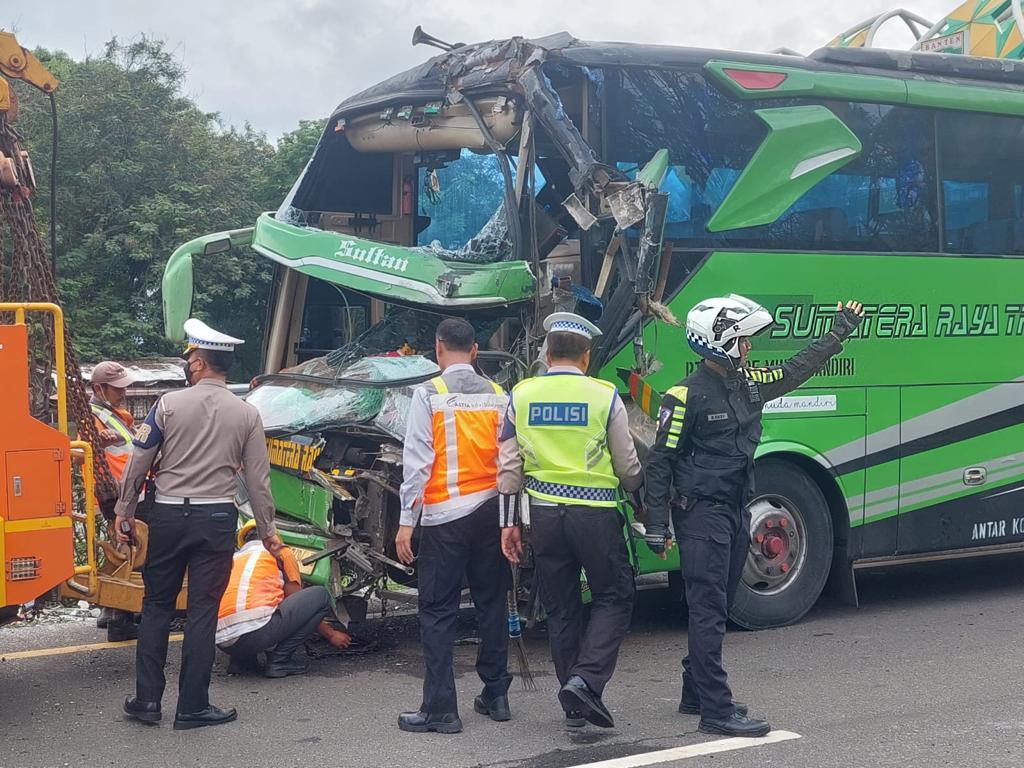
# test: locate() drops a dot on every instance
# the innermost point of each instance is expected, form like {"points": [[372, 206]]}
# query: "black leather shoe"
{"points": [[210, 716], [421, 722], [575, 720], [146, 711], [737, 725], [496, 709], [121, 626], [576, 696], [688, 708], [283, 668]]}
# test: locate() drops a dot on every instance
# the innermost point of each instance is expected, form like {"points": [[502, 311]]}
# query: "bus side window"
{"points": [[980, 165], [883, 200]]}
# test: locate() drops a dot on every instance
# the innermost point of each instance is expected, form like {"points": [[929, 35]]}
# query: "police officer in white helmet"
{"points": [[708, 430]]}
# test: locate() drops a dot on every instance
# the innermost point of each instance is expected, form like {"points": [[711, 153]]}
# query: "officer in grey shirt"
{"points": [[204, 435]]}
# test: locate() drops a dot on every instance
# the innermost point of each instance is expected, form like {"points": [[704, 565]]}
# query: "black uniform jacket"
{"points": [[710, 425]]}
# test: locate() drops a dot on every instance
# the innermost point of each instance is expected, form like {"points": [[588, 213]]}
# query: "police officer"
{"points": [[204, 434], [709, 427], [568, 434], [450, 488]]}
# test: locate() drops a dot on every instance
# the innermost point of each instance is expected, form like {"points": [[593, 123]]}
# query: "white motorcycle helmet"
{"points": [[715, 326]]}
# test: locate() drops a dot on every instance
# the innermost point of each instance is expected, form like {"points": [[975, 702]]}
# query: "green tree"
{"points": [[142, 169], [293, 152]]}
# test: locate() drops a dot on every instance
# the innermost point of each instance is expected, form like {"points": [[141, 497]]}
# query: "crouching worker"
{"points": [[265, 609]]}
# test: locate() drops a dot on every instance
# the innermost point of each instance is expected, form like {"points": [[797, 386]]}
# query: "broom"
{"points": [[515, 634]]}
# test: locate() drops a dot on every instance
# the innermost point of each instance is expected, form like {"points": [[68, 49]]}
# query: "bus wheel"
{"points": [[790, 548]]}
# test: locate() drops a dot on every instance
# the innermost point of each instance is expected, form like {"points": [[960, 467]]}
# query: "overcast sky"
{"points": [[273, 63]]}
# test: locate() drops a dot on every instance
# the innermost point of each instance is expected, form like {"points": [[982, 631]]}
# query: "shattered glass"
{"points": [[299, 406], [492, 243]]}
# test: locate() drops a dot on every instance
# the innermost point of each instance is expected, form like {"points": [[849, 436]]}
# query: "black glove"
{"points": [[656, 537], [845, 323]]}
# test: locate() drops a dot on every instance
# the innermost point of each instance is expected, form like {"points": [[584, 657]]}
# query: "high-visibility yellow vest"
{"points": [[562, 429]]}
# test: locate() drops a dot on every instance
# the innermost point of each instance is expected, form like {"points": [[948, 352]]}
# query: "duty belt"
{"points": [[575, 492]]}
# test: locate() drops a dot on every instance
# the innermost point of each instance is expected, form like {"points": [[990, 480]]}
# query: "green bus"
{"points": [[502, 180]]}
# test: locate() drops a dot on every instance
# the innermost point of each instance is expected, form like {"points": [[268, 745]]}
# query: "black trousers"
{"points": [[295, 619], [566, 539], [713, 542], [468, 548], [201, 540]]}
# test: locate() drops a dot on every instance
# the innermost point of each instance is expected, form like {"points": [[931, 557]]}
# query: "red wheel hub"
{"points": [[773, 546]]}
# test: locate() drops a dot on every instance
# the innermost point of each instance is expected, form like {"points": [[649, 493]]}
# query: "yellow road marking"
{"points": [[39, 652]]}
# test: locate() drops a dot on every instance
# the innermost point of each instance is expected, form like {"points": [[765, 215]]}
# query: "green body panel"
{"points": [[870, 88], [176, 286], [803, 146], [654, 171], [883, 412], [300, 498], [391, 272], [931, 322]]}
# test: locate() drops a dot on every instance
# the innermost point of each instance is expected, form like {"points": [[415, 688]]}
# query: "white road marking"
{"points": [[691, 750]]}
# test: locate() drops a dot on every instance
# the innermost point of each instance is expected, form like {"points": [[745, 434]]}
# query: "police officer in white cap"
{"points": [[204, 435], [568, 435]]}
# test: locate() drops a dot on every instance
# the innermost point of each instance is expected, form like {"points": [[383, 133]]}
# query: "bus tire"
{"points": [[790, 548]]}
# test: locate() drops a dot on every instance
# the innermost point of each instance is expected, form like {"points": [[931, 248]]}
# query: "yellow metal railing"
{"points": [[19, 310], [89, 488]]}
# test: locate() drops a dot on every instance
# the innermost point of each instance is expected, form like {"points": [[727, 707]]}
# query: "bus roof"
{"points": [[494, 63]]}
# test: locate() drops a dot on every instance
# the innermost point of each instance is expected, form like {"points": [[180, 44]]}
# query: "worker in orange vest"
{"points": [[266, 609], [450, 466], [116, 427]]}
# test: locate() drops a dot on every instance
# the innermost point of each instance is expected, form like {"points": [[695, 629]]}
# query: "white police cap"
{"points": [[202, 336], [571, 323]]}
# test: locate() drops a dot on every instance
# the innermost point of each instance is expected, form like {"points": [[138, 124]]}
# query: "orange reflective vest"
{"points": [[466, 428], [120, 421], [254, 591]]}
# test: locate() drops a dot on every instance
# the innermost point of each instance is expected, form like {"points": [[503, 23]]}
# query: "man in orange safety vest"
{"points": [[265, 609], [450, 466]]}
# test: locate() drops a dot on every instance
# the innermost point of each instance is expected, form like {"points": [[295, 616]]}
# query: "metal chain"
{"points": [[26, 275]]}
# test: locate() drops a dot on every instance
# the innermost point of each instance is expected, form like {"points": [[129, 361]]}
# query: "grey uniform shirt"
{"points": [[204, 435], [620, 445]]}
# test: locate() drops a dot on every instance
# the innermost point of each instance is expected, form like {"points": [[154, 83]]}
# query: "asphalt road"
{"points": [[929, 671]]}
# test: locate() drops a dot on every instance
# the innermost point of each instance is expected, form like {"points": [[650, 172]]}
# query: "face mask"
{"points": [[187, 368]]}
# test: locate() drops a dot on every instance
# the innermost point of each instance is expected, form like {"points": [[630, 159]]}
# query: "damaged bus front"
{"points": [[456, 189]]}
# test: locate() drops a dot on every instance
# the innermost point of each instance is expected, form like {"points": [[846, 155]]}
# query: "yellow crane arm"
{"points": [[16, 62]]}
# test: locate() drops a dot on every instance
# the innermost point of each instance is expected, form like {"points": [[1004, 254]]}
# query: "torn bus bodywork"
{"points": [[334, 406]]}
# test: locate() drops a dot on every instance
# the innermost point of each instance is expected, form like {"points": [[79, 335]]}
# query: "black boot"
{"points": [[576, 696], [737, 725], [421, 722], [282, 665], [121, 626], [497, 708], [106, 614], [575, 719], [145, 711], [212, 715]]}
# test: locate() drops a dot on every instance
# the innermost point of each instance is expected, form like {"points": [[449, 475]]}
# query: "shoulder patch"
{"points": [[679, 393], [149, 434]]}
